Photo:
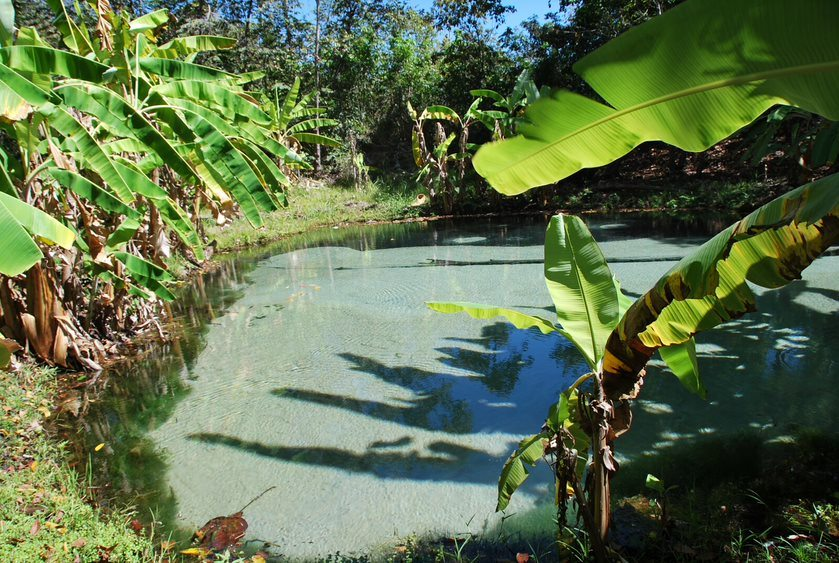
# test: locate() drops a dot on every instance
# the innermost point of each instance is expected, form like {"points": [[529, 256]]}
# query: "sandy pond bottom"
{"points": [[375, 418]]}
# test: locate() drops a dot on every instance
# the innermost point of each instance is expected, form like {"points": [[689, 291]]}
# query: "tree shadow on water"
{"points": [[433, 411], [440, 461]]}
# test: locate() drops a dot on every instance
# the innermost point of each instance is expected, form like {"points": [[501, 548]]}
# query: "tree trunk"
{"points": [[602, 460], [317, 78]]}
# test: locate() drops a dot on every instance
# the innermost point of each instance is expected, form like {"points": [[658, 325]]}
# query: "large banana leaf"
{"points": [[149, 21], [180, 70], [517, 468], [770, 247], [119, 115], [76, 38], [284, 114], [215, 96], [148, 275], [174, 217], [584, 290], [51, 62], [7, 22], [14, 87], [97, 195], [18, 252], [742, 58]]}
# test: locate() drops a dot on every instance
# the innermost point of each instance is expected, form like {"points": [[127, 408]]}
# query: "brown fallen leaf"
{"points": [[36, 527], [222, 532], [79, 543], [522, 557]]}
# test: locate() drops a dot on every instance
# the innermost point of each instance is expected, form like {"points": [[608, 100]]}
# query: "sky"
{"points": [[524, 9]]}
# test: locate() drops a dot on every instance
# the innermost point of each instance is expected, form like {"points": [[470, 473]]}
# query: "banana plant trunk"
{"points": [[602, 486]]}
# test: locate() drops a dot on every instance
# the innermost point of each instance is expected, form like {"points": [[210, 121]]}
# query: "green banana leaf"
{"points": [[180, 70], [98, 196], [743, 58], [18, 252], [119, 115], [173, 216], [148, 275], [770, 247], [7, 22], [284, 114], [517, 468], [184, 46], [149, 21], [584, 290], [681, 359], [311, 125], [76, 39], [22, 88], [19, 220], [440, 113], [89, 151], [122, 234], [52, 62], [216, 97], [474, 310]]}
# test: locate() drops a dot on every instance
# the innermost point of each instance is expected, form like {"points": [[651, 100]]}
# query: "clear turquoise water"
{"points": [[319, 371]]}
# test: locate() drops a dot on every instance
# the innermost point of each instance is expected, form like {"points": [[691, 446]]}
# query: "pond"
{"points": [[316, 371]]}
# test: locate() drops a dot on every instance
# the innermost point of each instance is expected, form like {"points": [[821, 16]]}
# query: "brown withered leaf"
{"points": [[609, 461], [222, 532], [79, 543]]}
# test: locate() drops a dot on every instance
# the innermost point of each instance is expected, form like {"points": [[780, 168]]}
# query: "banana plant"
{"points": [[617, 338], [435, 158], [589, 304], [294, 124], [123, 142], [503, 121]]}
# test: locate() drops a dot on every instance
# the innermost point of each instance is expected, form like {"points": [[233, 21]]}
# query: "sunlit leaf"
{"points": [[517, 469], [519, 320], [743, 58]]}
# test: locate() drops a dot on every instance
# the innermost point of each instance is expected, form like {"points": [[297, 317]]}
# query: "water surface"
{"points": [[319, 371]]}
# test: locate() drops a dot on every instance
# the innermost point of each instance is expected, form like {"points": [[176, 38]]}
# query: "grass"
{"points": [[45, 512], [327, 205], [321, 205]]}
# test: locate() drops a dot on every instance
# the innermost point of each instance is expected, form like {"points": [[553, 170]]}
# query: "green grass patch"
{"points": [[325, 205], [45, 513]]}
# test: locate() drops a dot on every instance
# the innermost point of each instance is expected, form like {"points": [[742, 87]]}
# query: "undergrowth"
{"points": [[44, 508]]}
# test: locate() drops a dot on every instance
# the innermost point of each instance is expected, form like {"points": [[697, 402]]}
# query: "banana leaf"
{"points": [[19, 220], [88, 150], [770, 247], [214, 96], [743, 57], [183, 46], [52, 62], [97, 195]]}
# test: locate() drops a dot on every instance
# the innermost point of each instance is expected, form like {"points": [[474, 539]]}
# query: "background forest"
{"points": [[367, 59]]}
